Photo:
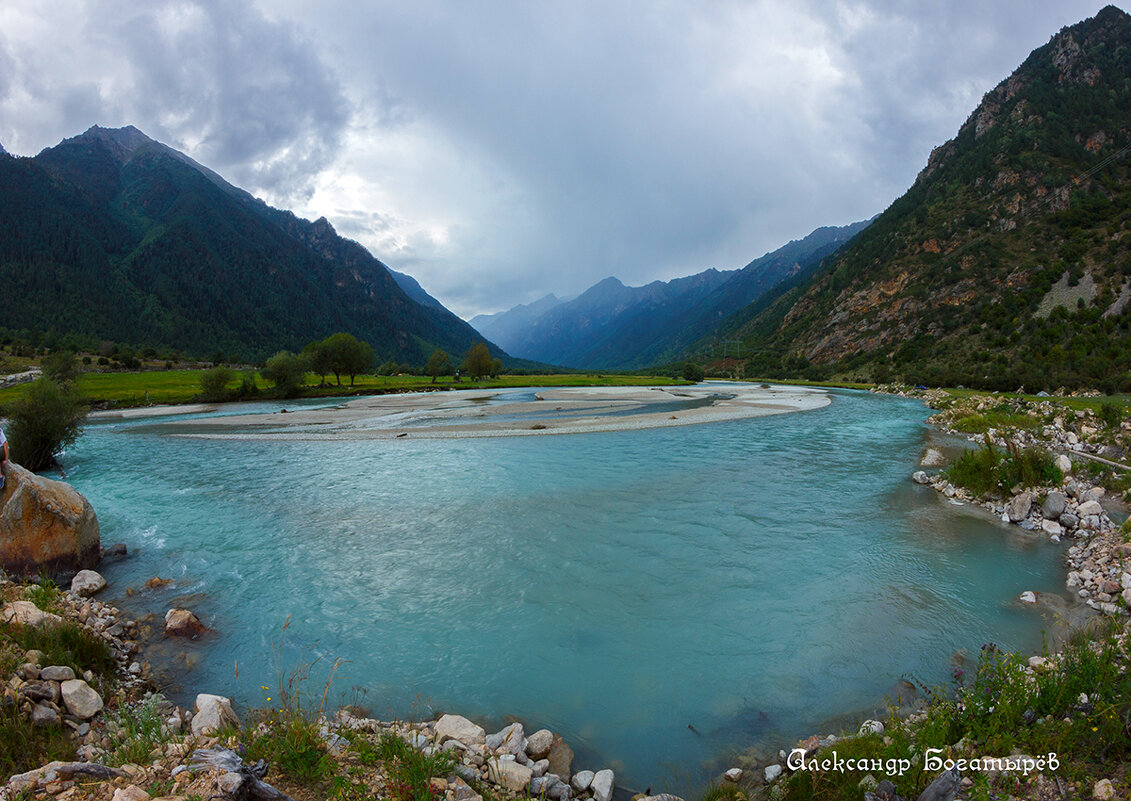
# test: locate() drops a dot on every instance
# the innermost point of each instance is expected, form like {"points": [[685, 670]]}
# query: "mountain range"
{"points": [[111, 235], [1006, 264], [611, 326]]}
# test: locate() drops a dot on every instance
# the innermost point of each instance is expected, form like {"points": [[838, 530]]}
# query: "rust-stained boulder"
{"points": [[45, 525]]}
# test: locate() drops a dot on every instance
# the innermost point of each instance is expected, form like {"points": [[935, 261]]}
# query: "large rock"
{"points": [[602, 785], [508, 774], [213, 712], [81, 700], [538, 744], [47, 525], [183, 623], [1064, 463], [87, 582], [1019, 506], [457, 727], [509, 739], [1054, 504], [25, 613], [1089, 508]]}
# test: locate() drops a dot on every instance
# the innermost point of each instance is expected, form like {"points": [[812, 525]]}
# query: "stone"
{"points": [[1019, 506], [509, 774], [538, 744], [1052, 528], [457, 727], [540, 767], [1069, 521], [1124, 582], [43, 715], [1054, 504], [1064, 463], [47, 525], [1127, 596], [581, 780], [920, 477], [772, 772], [1103, 790], [871, 727], [602, 785], [183, 623], [86, 583], [461, 791], [1028, 597], [559, 791], [1088, 508], [509, 739], [56, 673], [1094, 494], [25, 613], [133, 793], [539, 785], [81, 700], [230, 784], [41, 691], [733, 775], [213, 712]]}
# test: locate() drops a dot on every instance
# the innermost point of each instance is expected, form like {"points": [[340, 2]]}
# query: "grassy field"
{"points": [[131, 389]]}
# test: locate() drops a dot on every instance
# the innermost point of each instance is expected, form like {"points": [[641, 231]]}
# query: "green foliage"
{"points": [[1111, 414], [987, 469], [692, 371], [135, 730], [290, 741], [60, 366], [46, 595], [340, 354], [477, 361], [67, 644], [438, 364], [24, 746], [410, 772], [214, 383], [286, 371], [43, 420], [390, 368]]}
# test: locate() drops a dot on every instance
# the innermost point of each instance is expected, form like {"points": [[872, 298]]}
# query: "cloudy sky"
{"points": [[497, 151]]}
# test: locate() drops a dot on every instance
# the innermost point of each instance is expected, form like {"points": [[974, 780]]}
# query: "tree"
{"points": [[388, 368], [340, 353], [60, 366], [693, 372], [286, 371], [214, 382], [438, 364], [319, 359], [477, 361], [46, 418]]}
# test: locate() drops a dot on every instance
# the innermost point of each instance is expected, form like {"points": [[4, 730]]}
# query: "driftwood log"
{"points": [[245, 782]]}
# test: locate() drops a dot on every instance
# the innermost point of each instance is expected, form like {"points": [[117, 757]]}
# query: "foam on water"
{"points": [[658, 596]]}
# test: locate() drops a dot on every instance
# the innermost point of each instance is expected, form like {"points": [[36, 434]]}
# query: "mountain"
{"points": [[510, 325], [1007, 263], [611, 326], [111, 235]]}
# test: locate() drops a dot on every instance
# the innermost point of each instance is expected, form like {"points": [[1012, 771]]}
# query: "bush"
{"points": [[693, 372], [989, 469], [46, 418], [214, 382], [286, 371], [1111, 414]]}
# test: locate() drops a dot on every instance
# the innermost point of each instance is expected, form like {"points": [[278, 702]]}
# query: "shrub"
{"points": [[67, 644], [136, 729], [987, 469], [24, 746], [410, 772], [214, 382], [45, 419], [286, 371], [1111, 414]]}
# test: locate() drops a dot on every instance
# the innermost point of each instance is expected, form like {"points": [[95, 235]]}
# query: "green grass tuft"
{"points": [[988, 469]]}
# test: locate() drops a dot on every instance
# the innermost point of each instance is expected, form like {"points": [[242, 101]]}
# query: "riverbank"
{"points": [[479, 413]]}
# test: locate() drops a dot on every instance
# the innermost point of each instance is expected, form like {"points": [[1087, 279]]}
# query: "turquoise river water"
{"points": [[660, 597]]}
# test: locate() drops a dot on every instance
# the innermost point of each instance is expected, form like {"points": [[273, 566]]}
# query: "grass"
{"points": [[410, 771], [1001, 710], [68, 644], [132, 389], [46, 595], [988, 469], [135, 730], [979, 423], [24, 746]]}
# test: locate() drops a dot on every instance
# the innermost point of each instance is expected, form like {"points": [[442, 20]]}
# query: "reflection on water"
{"points": [[657, 596]]}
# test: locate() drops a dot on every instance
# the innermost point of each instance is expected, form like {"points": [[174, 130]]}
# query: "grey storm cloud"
{"points": [[245, 94], [499, 150]]}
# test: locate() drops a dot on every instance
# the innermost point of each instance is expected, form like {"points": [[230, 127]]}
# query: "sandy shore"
{"points": [[496, 413]]}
